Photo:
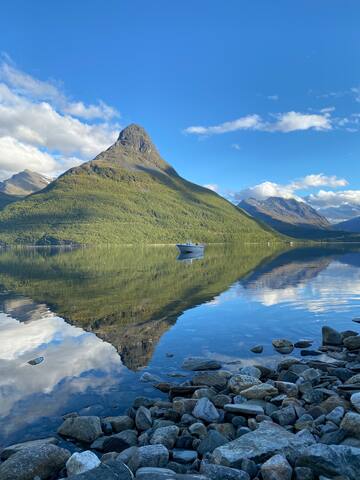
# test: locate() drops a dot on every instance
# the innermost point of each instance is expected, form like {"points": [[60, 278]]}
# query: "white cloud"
{"points": [[212, 186], [329, 198], [284, 122], [41, 129], [271, 189]]}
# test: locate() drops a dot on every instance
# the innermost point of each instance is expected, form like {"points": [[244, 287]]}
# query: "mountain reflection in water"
{"points": [[99, 316]]}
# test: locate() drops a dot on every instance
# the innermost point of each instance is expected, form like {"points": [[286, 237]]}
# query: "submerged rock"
{"points": [[200, 363], [257, 349], [283, 346], [330, 336]]}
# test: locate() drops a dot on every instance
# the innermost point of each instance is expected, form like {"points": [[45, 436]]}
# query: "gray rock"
{"points": [[81, 462], [42, 461], [212, 379], [143, 419], [259, 392], [112, 470], [198, 429], [120, 423], [336, 415], [330, 336], [251, 371], [125, 455], [351, 424], [244, 409], [149, 377], [183, 456], [283, 346], [219, 472], [11, 449], [118, 442], [331, 460], [149, 456], [303, 473], [276, 468], [266, 441], [206, 410], [154, 473], [303, 344], [239, 382], [352, 343], [220, 400], [200, 363], [257, 349], [84, 429], [166, 436], [289, 388], [285, 416], [355, 401], [212, 440]]}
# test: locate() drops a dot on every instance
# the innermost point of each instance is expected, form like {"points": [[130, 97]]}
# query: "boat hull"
{"points": [[194, 249]]}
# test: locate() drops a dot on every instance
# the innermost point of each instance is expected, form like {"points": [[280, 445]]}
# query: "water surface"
{"points": [[100, 317]]}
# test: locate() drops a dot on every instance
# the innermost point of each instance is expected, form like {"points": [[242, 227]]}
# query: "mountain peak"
{"points": [[136, 137]]}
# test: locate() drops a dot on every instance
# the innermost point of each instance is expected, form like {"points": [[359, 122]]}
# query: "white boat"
{"points": [[189, 247]]}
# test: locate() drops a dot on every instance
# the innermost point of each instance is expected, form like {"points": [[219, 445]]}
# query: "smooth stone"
{"points": [[351, 424], [111, 470], [84, 429], [166, 436], [257, 349], [184, 456], [217, 379], [352, 343], [149, 377], [355, 401], [120, 423], [258, 392], [239, 382], [220, 400], [219, 472], [330, 336], [11, 449], [251, 371], [276, 468], [149, 456], [154, 473], [244, 409], [143, 420], [283, 346], [212, 440], [42, 461], [206, 410], [303, 344], [81, 462], [119, 441], [259, 445], [200, 363], [331, 460]]}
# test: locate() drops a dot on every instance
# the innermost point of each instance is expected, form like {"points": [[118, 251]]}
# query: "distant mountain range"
{"points": [[127, 194], [340, 213], [352, 225], [24, 183], [287, 216]]}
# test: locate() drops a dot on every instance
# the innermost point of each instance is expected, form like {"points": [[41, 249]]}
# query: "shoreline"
{"points": [[302, 421]]}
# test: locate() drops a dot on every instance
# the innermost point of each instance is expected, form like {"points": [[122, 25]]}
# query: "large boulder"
{"points": [[11, 449], [330, 336], [331, 460], [81, 462], [200, 363], [266, 441], [43, 461], [84, 429]]}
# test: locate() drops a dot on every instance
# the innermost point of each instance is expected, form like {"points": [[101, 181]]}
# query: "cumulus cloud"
{"points": [[267, 189], [282, 122], [330, 198], [42, 130]]}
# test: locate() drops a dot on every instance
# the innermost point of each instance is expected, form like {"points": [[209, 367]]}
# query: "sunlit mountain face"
{"points": [[95, 319]]}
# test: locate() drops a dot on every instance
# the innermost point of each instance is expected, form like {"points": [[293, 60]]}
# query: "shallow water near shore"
{"points": [[101, 317]]}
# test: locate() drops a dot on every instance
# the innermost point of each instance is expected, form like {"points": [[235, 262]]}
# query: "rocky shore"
{"points": [[298, 421]]}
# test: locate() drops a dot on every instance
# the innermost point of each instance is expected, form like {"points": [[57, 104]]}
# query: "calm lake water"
{"points": [[101, 317]]}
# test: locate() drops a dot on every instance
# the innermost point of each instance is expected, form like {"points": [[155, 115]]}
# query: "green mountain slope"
{"points": [[127, 194]]}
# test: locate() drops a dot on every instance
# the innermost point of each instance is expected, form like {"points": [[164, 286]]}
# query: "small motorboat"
{"points": [[189, 247]]}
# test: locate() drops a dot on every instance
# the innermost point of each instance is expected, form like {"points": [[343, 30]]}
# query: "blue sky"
{"points": [[272, 89]]}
